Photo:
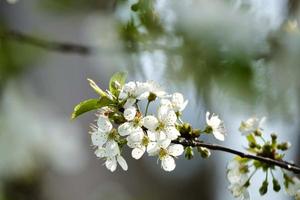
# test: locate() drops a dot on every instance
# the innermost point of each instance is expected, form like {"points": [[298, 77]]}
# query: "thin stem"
{"points": [[272, 174], [262, 138], [252, 174], [280, 163], [267, 174], [146, 111], [62, 47], [180, 120]]}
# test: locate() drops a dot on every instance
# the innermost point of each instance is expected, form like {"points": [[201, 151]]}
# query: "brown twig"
{"points": [[62, 47], [280, 163]]}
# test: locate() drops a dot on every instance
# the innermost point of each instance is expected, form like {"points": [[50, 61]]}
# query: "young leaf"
{"points": [[96, 87], [251, 138], [116, 82], [90, 104]]}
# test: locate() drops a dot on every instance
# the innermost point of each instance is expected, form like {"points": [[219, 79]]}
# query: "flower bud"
{"points": [[196, 132], [284, 146], [204, 152], [257, 132], [264, 188], [276, 185], [274, 137], [117, 118], [151, 97], [189, 153], [208, 129]]}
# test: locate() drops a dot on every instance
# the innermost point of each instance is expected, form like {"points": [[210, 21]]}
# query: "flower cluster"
{"points": [[121, 121], [237, 175], [239, 168], [125, 120]]}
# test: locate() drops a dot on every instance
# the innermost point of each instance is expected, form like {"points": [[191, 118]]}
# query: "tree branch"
{"points": [[280, 163], [48, 45]]}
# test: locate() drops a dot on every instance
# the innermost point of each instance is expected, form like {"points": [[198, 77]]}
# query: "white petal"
{"points": [[130, 113], [112, 148], [175, 149], [150, 122], [215, 120], [129, 87], [152, 148], [123, 95], [164, 143], [111, 164], [184, 105], [125, 129], [152, 135], [207, 118], [98, 138], [129, 103], [218, 135], [166, 115], [122, 163], [168, 163], [136, 136], [171, 132], [137, 153], [100, 152], [104, 125], [166, 102], [161, 135]]}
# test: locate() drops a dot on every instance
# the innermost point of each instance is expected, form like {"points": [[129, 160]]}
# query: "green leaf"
{"points": [[251, 138], [116, 82], [96, 87], [90, 104]]}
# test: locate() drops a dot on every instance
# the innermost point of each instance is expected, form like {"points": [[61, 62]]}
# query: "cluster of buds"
{"points": [[239, 169]]}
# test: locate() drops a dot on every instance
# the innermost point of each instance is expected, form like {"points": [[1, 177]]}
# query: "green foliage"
{"points": [[89, 105], [116, 82]]}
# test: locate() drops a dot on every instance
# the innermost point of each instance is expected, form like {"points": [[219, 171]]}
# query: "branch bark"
{"points": [[62, 47], [279, 163]]}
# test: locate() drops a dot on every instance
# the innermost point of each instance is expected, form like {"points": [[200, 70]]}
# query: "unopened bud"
{"points": [[189, 153], [196, 132], [274, 136], [151, 97], [257, 132], [264, 188], [276, 185], [204, 152], [284, 146]]}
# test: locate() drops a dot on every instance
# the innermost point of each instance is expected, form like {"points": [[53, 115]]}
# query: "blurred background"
{"points": [[237, 58]]}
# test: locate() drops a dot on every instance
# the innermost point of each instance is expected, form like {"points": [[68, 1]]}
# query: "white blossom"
{"points": [[177, 102], [238, 177], [111, 152], [162, 147], [138, 141], [155, 89], [217, 126], [236, 172], [99, 136], [239, 191], [293, 189], [251, 125], [134, 90], [164, 124]]}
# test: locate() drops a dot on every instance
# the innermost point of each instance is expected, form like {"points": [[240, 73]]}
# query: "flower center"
{"points": [[161, 126], [145, 141], [162, 153], [112, 135]]}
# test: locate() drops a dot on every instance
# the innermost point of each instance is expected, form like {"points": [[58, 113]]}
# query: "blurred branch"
{"points": [[280, 163], [62, 47]]}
